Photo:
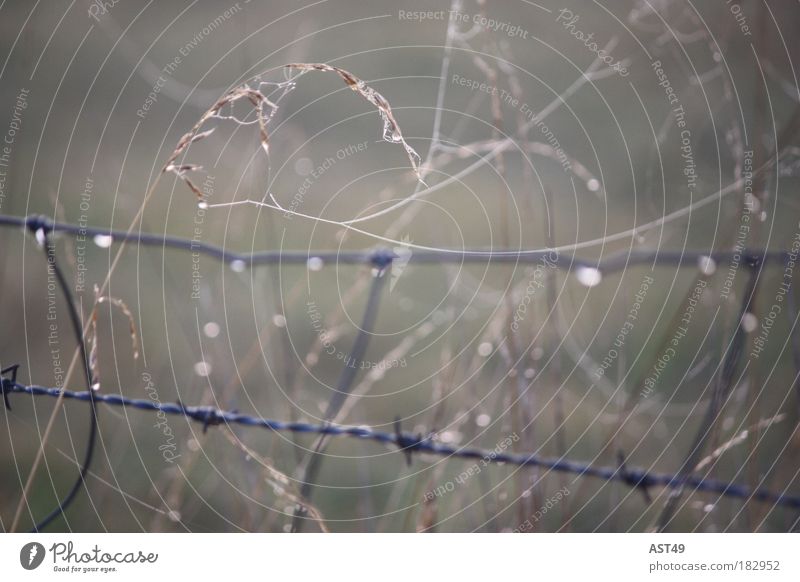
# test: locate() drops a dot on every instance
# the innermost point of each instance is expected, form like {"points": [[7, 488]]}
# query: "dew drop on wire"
{"points": [[279, 320], [315, 264], [202, 205], [749, 322], [303, 166], [211, 329], [707, 265], [485, 349], [103, 241], [588, 276], [450, 437], [593, 185], [202, 369]]}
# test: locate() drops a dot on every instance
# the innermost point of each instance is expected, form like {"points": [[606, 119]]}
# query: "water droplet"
{"points": [[529, 373], [303, 166], [238, 266], [707, 265], [395, 137], [279, 320], [315, 264], [708, 508], [96, 387], [202, 205], [485, 349], [174, 516], [450, 437], [211, 329], [483, 420], [312, 359], [103, 240], [40, 236], [593, 185], [439, 317], [588, 276], [749, 322], [202, 369], [537, 353]]}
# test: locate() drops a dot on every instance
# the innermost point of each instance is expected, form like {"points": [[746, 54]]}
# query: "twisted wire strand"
{"points": [[382, 257], [409, 444]]}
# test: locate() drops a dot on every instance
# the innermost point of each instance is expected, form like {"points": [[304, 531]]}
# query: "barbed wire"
{"points": [[381, 259], [411, 444]]}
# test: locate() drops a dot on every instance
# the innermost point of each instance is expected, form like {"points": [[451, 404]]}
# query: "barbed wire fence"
{"points": [[407, 443]]}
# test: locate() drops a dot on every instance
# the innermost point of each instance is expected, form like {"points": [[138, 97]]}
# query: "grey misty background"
{"points": [[86, 81]]}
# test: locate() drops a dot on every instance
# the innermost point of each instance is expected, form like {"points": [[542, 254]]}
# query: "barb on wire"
{"points": [[408, 443]]}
